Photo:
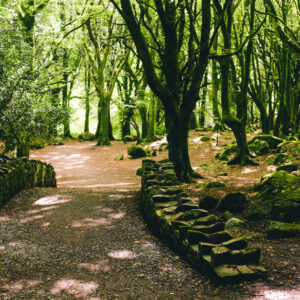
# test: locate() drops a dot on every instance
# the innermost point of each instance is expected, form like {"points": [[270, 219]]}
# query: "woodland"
{"points": [[211, 87]]}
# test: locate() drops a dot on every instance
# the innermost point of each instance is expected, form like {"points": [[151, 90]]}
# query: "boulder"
{"points": [[291, 147], [272, 141], [279, 230], [233, 202], [227, 152], [208, 203], [86, 136], [234, 222], [280, 158], [128, 138], [259, 147], [278, 198], [205, 138], [136, 151]]}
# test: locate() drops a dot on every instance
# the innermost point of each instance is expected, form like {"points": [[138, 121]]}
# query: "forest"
{"points": [[183, 112]]}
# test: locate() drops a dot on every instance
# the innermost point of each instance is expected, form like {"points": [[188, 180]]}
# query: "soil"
{"points": [[87, 240]]}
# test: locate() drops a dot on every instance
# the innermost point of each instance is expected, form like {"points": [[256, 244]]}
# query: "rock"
{"points": [[136, 151], [288, 168], [279, 230], [194, 236], [216, 227], [227, 215], [205, 138], [139, 172], [259, 147], [292, 147], [280, 159], [234, 222], [226, 153], [210, 219], [86, 136], [194, 214], [278, 198], [219, 256], [233, 202], [238, 243], [119, 157], [128, 138], [214, 184], [226, 273], [219, 237], [208, 203], [245, 256], [272, 141]]}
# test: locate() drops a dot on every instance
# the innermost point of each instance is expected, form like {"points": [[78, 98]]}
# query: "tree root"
{"points": [[243, 161]]}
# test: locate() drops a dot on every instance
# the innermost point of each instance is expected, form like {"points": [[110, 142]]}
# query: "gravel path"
{"points": [[90, 242]]}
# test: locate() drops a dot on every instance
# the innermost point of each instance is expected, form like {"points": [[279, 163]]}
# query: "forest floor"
{"points": [[87, 240]]}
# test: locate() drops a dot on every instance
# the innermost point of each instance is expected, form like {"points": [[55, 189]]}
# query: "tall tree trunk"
{"points": [[143, 112], [215, 86], [87, 101], [103, 138], [151, 135], [65, 100]]}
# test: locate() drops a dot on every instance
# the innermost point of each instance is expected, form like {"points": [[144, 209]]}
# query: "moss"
{"points": [[283, 230], [214, 184], [227, 152], [86, 136], [136, 151], [278, 197], [272, 141]]}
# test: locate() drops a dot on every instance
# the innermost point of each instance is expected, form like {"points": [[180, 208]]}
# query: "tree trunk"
{"points": [[103, 138], [87, 101], [177, 135], [23, 150], [65, 100], [143, 112], [151, 134]]}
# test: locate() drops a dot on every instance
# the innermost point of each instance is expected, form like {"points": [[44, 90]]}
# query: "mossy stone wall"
{"points": [[193, 232], [17, 174]]}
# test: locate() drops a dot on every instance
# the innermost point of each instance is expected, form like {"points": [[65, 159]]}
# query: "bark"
{"points": [[87, 102]]}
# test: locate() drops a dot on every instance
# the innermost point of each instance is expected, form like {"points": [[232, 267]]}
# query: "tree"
{"points": [[182, 56]]}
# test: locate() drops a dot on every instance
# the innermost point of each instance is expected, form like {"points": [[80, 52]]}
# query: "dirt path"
{"points": [[87, 240]]}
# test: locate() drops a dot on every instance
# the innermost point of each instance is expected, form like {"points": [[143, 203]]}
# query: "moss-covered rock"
{"points": [[136, 151], [233, 202], [280, 159], [227, 152], [234, 222], [205, 138], [278, 197], [259, 147], [278, 230], [86, 136], [272, 141], [208, 202], [291, 147], [129, 138]]}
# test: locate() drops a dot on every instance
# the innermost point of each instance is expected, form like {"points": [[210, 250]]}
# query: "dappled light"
{"points": [[98, 266], [249, 170], [122, 254], [117, 216], [52, 200], [270, 294], [89, 222], [74, 287]]}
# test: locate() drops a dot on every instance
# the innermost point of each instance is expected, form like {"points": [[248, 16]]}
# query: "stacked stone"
{"points": [[22, 173], [195, 233]]}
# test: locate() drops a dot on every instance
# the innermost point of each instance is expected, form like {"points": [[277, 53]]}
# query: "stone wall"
{"points": [[195, 233], [17, 174]]}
